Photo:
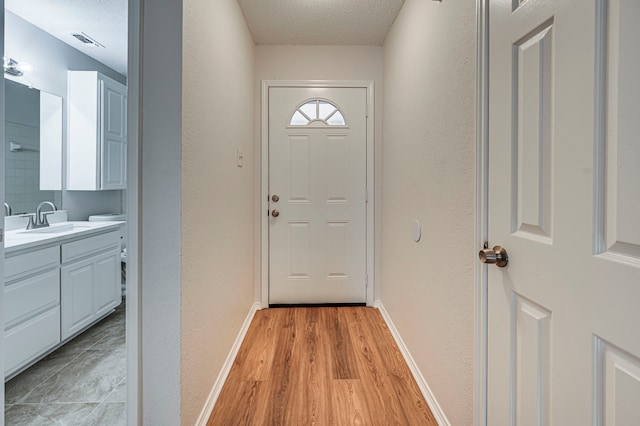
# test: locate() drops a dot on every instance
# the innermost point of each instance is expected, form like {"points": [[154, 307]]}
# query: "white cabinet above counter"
{"points": [[97, 127]]}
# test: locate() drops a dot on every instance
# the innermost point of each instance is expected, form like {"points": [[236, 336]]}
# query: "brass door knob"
{"points": [[275, 213], [497, 255]]}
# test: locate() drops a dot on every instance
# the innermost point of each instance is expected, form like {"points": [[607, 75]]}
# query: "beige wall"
{"points": [[363, 63], [217, 196], [428, 174]]}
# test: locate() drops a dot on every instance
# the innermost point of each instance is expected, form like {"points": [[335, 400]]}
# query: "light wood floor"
{"points": [[320, 366]]}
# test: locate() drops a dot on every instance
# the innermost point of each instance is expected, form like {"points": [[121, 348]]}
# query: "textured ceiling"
{"points": [[279, 22], [320, 22], [103, 20]]}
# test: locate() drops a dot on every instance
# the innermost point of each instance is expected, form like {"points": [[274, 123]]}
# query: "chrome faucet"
{"points": [[7, 209], [41, 218]]}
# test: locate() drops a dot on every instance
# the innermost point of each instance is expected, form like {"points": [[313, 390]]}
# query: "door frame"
{"points": [[263, 230], [133, 354], [481, 212], [133, 312], [2, 194]]}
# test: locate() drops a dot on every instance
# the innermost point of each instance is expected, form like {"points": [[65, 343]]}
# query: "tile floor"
{"points": [[81, 383]]}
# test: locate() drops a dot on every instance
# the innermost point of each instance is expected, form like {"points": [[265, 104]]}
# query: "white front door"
{"points": [[564, 201], [317, 195]]}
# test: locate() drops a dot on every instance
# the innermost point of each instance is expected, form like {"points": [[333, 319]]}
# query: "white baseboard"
{"points": [[436, 410], [226, 367]]}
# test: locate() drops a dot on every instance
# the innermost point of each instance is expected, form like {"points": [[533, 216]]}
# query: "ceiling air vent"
{"points": [[84, 38]]}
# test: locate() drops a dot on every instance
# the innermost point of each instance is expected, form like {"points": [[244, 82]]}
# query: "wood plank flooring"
{"points": [[320, 366]]}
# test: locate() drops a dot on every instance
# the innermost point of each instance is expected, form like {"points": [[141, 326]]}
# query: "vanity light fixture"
{"points": [[15, 68]]}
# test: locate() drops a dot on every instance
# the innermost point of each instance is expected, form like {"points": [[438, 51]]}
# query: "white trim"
{"points": [[436, 410], [2, 194], [481, 213], [134, 300], [226, 368], [263, 232]]}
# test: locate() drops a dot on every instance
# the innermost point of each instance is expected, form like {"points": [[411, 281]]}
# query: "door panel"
{"points": [[564, 191], [317, 168], [622, 170], [298, 166], [618, 385], [532, 68]]}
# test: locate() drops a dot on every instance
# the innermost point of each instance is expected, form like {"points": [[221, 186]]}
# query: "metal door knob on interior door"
{"points": [[497, 255]]}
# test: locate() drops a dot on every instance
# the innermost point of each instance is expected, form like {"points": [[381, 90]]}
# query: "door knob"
{"points": [[275, 213], [275, 198], [497, 255]]}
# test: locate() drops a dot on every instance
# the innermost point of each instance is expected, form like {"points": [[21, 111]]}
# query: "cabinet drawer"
{"points": [[89, 246], [29, 297], [30, 263], [30, 339]]}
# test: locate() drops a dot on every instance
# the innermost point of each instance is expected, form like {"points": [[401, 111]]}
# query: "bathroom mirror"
{"points": [[33, 151]]}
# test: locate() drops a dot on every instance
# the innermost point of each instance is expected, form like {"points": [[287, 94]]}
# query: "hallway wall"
{"points": [[217, 197], [428, 174]]}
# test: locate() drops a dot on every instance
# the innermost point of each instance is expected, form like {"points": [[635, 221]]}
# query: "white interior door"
{"points": [[317, 195], [564, 200]]}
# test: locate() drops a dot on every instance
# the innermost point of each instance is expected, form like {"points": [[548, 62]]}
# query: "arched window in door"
{"points": [[317, 112]]}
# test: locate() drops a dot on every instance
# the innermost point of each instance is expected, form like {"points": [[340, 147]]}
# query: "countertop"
{"points": [[56, 233]]}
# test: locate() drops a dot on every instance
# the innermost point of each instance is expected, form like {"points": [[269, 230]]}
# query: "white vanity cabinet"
{"points": [[55, 286], [31, 305], [96, 154], [90, 280]]}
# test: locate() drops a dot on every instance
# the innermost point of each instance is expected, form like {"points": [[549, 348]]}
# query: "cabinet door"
{"points": [[114, 137], [108, 292], [90, 289], [97, 142], [78, 284]]}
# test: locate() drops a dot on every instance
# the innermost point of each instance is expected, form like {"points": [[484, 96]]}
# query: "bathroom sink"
{"points": [[56, 228]]}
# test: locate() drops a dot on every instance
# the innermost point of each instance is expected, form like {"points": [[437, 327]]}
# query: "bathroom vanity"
{"points": [[58, 281]]}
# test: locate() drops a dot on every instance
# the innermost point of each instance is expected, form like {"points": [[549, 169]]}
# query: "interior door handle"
{"points": [[275, 213], [497, 255]]}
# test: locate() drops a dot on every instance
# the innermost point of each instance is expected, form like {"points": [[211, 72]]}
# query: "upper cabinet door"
{"points": [[97, 132], [114, 139]]}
